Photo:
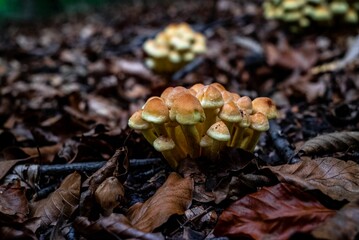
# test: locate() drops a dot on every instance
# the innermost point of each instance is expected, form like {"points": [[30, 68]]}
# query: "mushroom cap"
{"points": [[162, 144], [136, 122], [266, 106], [187, 110], [155, 111], [227, 96], [154, 49], [171, 93], [206, 141], [259, 122], [219, 132], [245, 103], [230, 112], [196, 87], [210, 97], [219, 86]]}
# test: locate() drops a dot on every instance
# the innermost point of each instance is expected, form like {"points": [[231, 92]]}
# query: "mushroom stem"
{"points": [[251, 141], [211, 117], [160, 129], [237, 138], [192, 137], [149, 135], [215, 149]]}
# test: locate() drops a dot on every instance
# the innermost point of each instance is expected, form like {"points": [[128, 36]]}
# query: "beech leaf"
{"points": [[344, 224], [336, 178], [115, 226], [272, 213], [173, 197], [13, 202], [62, 202], [330, 143]]}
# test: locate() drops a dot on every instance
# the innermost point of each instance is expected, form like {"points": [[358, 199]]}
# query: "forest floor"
{"points": [[69, 85]]}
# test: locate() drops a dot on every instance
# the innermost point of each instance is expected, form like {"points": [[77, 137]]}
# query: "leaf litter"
{"points": [[67, 88]]}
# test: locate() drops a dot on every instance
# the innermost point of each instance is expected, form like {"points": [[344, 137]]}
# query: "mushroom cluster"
{"points": [[174, 47], [300, 14], [201, 121]]}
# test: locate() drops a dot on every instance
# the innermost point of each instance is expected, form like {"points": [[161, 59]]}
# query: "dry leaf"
{"points": [[173, 197], [13, 202], [62, 202], [330, 143], [344, 225], [16, 232], [272, 213], [115, 226], [336, 178]]}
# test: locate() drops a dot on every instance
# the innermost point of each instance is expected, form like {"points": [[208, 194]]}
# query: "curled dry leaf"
{"points": [[62, 202], [272, 213], [173, 197], [109, 194], [330, 143], [336, 178], [13, 202], [115, 226], [344, 224]]}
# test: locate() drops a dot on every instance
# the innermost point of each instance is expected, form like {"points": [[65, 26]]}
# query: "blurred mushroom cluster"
{"points": [[174, 47], [201, 121], [300, 14]]}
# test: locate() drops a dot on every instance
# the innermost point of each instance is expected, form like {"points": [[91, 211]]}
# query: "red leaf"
{"points": [[272, 213]]}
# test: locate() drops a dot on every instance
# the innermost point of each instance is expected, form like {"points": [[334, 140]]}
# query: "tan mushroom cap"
{"points": [[163, 143], [155, 111], [245, 119], [170, 94], [219, 132], [266, 106], [219, 86], [245, 103], [197, 87], [136, 122], [210, 97], [187, 110], [259, 122], [230, 112]]}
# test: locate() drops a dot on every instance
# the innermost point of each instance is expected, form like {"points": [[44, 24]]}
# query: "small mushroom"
{"points": [[187, 111], [167, 147], [259, 124], [230, 114], [266, 106], [156, 112], [136, 122], [220, 135], [211, 101]]}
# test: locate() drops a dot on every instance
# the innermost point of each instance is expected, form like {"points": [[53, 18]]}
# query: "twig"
{"points": [[66, 168], [281, 144], [190, 67], [145, 162]]}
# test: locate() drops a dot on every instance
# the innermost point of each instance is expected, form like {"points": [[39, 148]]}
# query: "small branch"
{"points": [[66, 168], [281, 144], [190, 67]]}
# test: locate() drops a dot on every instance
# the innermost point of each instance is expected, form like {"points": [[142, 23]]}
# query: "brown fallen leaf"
{"points": [[330, 143], [336, 178], [343, 226], [62, 202], [16, 231], [13, 202], [173, 197], [283, 55], [115, 226], [272, 213]]}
